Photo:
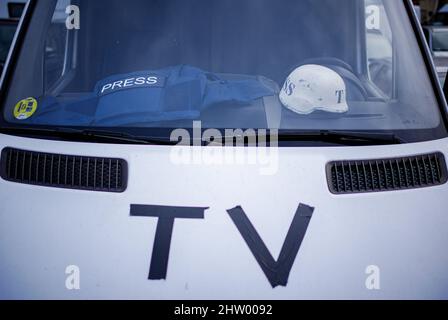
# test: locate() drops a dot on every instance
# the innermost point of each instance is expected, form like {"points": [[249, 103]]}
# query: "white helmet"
{"points": [[312, 87]]}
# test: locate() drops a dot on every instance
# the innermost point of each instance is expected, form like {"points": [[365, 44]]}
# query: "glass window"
{"points": [[295, 65], [440, 40]]}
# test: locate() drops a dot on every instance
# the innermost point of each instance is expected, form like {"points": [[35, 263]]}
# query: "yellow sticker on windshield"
{"points": [[25, 109]]}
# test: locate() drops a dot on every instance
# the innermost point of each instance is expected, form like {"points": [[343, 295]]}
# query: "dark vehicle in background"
{"points": [[9, 20], [437, 37], [7, 31]]}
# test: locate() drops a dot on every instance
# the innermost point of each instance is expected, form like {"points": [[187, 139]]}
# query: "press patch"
{"points": [[132, 83], [25, 109]]}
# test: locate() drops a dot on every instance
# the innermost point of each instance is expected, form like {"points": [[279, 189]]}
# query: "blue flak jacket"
{"points": [[174, 93]]}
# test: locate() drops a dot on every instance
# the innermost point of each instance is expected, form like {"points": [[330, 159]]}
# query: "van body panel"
{"points": [[45, 230]]}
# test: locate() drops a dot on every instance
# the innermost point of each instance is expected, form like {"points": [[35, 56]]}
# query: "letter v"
{"points": [[278, 271]]}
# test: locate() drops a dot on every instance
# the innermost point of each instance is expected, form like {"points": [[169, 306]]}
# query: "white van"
{"points": [[211, 149]]}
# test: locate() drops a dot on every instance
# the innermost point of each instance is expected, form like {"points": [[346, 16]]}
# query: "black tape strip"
{"points": [[161, 249], [278, 271], [164, 231], [138, 210]]}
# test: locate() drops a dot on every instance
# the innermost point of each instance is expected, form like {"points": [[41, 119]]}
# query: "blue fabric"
{"points": [[52, 112], [174, 93]]}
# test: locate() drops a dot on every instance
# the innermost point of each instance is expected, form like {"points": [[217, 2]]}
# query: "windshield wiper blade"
{"points": [[88, 134], [118, 136], [337, 137], [342, 137], [348, 138]]}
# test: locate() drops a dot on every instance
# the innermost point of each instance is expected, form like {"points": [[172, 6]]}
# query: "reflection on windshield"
{"points": [[294, 65]]}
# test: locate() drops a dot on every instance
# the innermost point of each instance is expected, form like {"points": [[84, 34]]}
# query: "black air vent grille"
{"points": [[345, 177], [63, 171]]}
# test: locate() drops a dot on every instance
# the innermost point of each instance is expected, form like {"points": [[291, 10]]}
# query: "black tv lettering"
{"points": [[164, 231], [278, 271]]}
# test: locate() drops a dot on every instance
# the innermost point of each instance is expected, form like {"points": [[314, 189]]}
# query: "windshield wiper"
{"points": [[88, 134], [348, 138], [120, 136], [336, 137], [342, 137]]}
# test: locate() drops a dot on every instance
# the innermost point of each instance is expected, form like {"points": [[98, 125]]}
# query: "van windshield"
{"points": [[152, 66]]}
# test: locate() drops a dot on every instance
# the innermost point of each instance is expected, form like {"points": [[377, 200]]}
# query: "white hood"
{"points": [[44, 230]]}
